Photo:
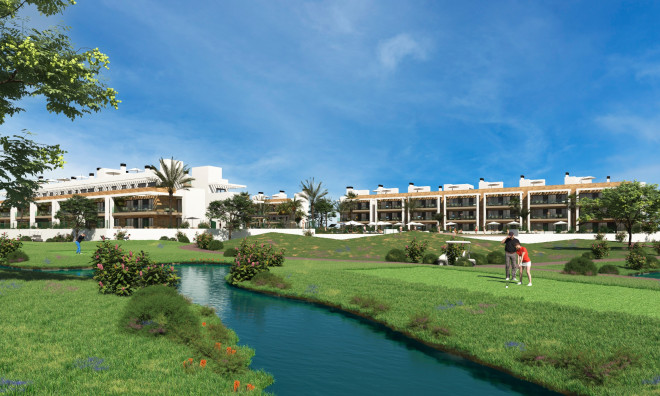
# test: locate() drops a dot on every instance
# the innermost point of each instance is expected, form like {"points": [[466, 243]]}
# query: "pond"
{"points": [[314, 350]]}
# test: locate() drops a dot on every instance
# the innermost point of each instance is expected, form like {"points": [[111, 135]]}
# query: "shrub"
{"points": [[636, 258], [415, 250], [463, 262], [8, 245], [181, 237], [600, 236], [173, 239], [203, 240], [267, 278], [588, 255], [61, 238], [120, 235], [164, 238], [495, 257], [184, 225], [207, 311], [25, 238], [160, 310], [429, 258], [453, 252], [252, 259], [308, 233], [122, 274], [652, 262], [656, 246], [370, 303], [580, 265], [216, 245], [396, 255], [480, 258], [231, 252], [600, 249], [18, 256], [620, 236], [203, 224], [608, 269]]}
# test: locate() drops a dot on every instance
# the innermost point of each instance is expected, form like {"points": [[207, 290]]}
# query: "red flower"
{"points": [[237, 383], [203, 323], [202, 363]]}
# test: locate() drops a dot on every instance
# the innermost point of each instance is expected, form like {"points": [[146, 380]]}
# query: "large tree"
{"points": [[234, 212], [324, 209], [292, 209], [312, 192], [79, 212], [348, 204], [628, 204], [174, 176], [42, 63]]}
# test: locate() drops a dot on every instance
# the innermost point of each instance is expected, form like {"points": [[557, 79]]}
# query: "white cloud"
{"points": [[636, 126], [393, 51]]}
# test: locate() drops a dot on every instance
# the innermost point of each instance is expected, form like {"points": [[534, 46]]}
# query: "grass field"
{"points": [[60, 336], [585, 325], [374, 248], [62, 254]]}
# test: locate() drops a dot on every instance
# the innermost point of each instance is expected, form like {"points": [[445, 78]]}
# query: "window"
{"points": [[220, 190]]}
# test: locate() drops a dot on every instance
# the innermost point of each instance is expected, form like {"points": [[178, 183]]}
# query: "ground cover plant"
{"points": [[62, 255], [68, 338], [611, 341]]}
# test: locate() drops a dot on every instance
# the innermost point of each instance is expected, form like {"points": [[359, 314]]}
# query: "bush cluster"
{"points": [[415, 250], [122, 274], [25, 238], [463, 262], [251, 259], [203, 224], [656, 246], [181, 237], [370, 303], [453, 252], [231, 252], [429, 258], [479, 258], [203, 240], [396, 255], [580, 265], [608, 269], [17, 256], [61, 238], [495, 257], [120, 235], [588, 255], [638, 260], [600, 249], [216, 245], [8, 245], [620, 236]]}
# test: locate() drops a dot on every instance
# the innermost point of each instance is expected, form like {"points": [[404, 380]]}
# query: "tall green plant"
{"points": [[312, 193], [172, 177], [79, 212], [234, 212], [409, 205]]}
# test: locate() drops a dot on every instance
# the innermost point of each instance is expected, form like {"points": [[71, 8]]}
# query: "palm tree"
{"points": [[290, 208], [410, 205], [312, 193], [173, 177], [348, 205]]}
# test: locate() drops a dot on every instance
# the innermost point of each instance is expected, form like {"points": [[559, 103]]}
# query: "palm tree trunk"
{"points": [[171, 214]]}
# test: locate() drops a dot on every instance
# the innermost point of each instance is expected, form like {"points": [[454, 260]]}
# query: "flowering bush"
{"points": [[120, 235], [415, 250], [600, 249], [252, 259], [203, 240], [636, 259], [453, 252], [181, 237], [8, 245], [620, 236], [121, 274]]}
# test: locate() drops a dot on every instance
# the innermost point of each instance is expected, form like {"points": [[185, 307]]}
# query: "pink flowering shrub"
{"points": [[254, 258], [415, 250], [8, 245], [121, 273]]}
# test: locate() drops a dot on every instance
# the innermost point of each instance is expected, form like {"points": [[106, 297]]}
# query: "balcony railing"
{"points": [[389, 207], [4, 214], [123, 209], [454, 204], [541, 202], [498, 203], [488, 217], [462, 218], [44, 213], [549, 216]]}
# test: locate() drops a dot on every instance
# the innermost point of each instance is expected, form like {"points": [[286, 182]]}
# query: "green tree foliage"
{"points": [[172, 177], [517, 210], [79, 212], [234, 212], [312, 192], [324, 209], [292, 209], [409, 206], [45, 63], [21, 160], [42, 63], [629, 203], [348, 205]]}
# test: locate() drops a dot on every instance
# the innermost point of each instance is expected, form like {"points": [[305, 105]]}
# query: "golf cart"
{"points": [[443, 260]]}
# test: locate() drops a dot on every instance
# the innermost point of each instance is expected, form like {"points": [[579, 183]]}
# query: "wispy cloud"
{"points": [[393, 51], [632, 126]]}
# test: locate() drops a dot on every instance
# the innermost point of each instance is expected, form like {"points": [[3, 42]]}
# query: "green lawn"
{"points": [[581, 320], [56, 329], [62, 254], [374, 248]]}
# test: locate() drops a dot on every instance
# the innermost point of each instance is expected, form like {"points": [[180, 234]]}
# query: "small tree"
{"points": [[312, 193], [629, 203], [324, 209], [517, 210], [78, 211], [409, 206], [173, 177], [348, 205], [233, 212]]}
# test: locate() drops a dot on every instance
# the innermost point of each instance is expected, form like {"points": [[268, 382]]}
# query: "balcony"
{"points": [[541, 202], [44, 213], [4, 214], [122, 209], [498, 217], [459, 204], [386, 207], [462, 218], [549, 216]]}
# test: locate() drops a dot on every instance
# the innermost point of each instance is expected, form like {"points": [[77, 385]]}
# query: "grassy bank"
{"points": [[62, 337], [63, 254], [585, 338], [374, 248]]}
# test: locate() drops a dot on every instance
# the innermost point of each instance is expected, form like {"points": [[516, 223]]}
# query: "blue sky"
{"points": [[363, 93]]}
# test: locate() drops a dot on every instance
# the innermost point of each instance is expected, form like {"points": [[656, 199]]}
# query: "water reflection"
{"points": [[313, 350]]}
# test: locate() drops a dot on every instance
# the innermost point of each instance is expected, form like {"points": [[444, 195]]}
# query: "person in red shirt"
{"points": [[524, 262]]}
